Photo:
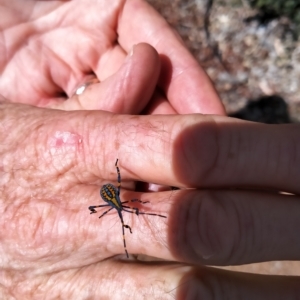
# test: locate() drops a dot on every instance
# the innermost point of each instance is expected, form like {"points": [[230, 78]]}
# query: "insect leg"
{"points": [[92, 208], [150, 214], [106, 212], [136, 200], [140, 201], [123, 231], [134, 210], [119, 177], [137, 212]]}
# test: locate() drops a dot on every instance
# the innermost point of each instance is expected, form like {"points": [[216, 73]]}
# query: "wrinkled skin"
{"points": [[54, 161]]}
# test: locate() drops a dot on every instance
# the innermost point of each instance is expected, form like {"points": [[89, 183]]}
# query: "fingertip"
{"points": [[126, 91], [136, 80]]}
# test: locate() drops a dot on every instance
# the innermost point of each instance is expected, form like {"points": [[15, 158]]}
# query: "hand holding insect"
{"points": [[46, 230], [53, 163]]}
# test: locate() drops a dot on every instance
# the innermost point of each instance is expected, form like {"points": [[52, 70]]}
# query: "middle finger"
{"points": [[209, 227]]}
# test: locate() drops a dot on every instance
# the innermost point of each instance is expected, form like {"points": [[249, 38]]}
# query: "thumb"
{"points": [[126, 91]]}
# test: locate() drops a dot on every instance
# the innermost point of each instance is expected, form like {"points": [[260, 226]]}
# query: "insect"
{"points": [[111, 195]]}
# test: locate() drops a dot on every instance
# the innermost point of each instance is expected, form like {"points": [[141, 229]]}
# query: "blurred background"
{"points": [[249, 48], [251, 51]]}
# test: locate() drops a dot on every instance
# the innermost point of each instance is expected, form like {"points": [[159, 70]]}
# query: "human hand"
{"points": [[53, 164], [49, 48]]}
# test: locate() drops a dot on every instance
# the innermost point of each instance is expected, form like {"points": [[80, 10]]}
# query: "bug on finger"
{"points": [[111, 195]]}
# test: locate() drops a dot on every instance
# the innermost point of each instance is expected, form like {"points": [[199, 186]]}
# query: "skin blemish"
{"points": [[64, 142]]}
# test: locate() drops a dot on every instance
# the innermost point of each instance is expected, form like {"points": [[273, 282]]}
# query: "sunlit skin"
{"points": [[49, 48], [209, 224], [55, 158]]}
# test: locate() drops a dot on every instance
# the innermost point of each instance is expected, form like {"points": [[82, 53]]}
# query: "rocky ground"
{"points": [[254, 64]]}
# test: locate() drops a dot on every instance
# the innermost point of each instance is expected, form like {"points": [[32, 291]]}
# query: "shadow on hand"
{"points": [[270, 110]]}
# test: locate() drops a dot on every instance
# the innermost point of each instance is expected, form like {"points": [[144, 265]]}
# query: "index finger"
{"points": [[186, 151], [184, 82], [197, 151]]}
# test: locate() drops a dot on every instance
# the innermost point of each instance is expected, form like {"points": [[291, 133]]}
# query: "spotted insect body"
{"points": [[111, 195]]}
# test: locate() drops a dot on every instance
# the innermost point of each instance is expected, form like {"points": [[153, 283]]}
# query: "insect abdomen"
{"points": [[109, 194]]}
